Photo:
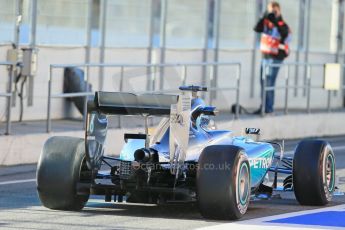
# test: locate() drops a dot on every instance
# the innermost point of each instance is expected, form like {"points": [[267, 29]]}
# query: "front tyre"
{"points": [[314, 172], [223, 182], [61, 166]]}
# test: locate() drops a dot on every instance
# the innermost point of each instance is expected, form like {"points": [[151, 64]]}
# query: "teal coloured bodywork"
{"points": [[260, 154]]}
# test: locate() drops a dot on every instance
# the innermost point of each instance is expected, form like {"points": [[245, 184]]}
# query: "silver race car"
{"points": [[185, 160]]}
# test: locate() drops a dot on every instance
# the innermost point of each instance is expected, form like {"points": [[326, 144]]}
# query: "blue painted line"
{"points": [[327, 218]]}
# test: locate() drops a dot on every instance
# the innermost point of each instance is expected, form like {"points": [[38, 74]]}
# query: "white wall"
{"points": [[135, 78]]}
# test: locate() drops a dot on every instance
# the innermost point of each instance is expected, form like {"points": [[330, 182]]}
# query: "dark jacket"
{"points": [[283, 30]]}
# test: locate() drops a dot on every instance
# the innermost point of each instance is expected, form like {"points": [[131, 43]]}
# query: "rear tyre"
{"points": [[313, 172], [61, 166], [223, 182]]}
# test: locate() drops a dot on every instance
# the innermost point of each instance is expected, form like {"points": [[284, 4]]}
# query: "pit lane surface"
{"points": [[21, 209]]}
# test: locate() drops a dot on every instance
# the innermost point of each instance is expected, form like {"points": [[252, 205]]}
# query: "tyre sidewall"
{"points": [[217, 189], [326, 152], [242, 161]]}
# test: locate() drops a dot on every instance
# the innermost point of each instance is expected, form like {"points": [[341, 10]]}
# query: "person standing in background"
{"points": [[274, 46]]}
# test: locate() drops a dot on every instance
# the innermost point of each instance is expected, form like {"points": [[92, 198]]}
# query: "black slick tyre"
{"points": [[313, 172], [61, 166], [223, 182]]}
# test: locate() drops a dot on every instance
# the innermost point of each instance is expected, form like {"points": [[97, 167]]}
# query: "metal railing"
{"points": [[8, 94], [307, 86], [151, 80]]}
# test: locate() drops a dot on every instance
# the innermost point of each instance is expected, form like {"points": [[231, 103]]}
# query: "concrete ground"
{"points": [[20, 207]]}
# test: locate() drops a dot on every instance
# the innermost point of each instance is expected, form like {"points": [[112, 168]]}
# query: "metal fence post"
{"points": [[300, 41], [88, 32], [306, 38], [238, 78], [120, 89], [150, 45], [121, 78], [308, 88], [33, 24], [86, 89], [49, 99], [329, 101], [154, 77], [9, 100], [18, 22], [205, 49], [184, 74], [163, 22], [210, 83], [263, 103], [287, 73], [103, 29], [217, 12], [259, 6]]}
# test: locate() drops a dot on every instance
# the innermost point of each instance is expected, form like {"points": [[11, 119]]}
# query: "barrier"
{"points": [[8, 94], [307, 86], [151, 80]]}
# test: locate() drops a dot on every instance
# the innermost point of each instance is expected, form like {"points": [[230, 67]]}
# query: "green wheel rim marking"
{"points": [[330, 171], [243, 197]]}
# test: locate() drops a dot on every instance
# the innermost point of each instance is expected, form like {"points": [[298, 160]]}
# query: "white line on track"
{"points": [[17, 181], [262, 223]]}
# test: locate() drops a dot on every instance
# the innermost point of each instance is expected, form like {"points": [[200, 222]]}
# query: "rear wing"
{"points": [[119, 103]]}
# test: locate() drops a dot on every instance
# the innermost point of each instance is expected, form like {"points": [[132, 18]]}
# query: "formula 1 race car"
{"points": [[185, 160]]}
